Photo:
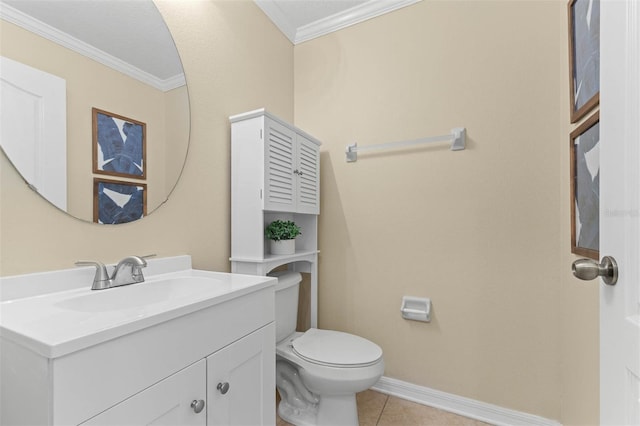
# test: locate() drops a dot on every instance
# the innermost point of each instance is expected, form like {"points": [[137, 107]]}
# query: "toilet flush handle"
{"points": [[223, 387]]}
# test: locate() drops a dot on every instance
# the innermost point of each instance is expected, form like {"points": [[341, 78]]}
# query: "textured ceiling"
{"points": [[305, 12], [132, 31]]}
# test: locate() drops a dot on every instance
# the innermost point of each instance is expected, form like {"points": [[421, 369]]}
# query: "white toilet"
{"points": [[319, 372]]}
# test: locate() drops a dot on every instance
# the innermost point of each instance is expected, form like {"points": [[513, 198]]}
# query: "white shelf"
{"points": [[300, 255]]}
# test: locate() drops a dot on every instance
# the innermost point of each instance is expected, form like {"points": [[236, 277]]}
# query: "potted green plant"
{"points": [[281, 235]]}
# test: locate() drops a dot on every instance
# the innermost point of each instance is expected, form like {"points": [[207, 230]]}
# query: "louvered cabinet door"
{"points": [[307, 176], [279, 179]]}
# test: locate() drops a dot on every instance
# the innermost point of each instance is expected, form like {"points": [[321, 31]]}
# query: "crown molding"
{"points": [[29, 23], [352, 16], [332, 23]]}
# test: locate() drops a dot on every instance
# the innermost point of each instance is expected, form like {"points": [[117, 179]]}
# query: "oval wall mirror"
{"points": [[95, 108]]}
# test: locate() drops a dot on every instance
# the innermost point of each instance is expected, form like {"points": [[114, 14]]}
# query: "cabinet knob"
{"points": [[223, 387], [197, 405]]}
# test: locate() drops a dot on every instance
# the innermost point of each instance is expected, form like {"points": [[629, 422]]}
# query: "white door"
{"points": [[180, 399], [33, 122], [620, 211], [241, 381]]}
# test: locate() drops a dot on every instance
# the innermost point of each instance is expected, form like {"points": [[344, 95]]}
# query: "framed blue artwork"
{"points": [[118, 201], [585, 188], [119, 145], [584, 56]]}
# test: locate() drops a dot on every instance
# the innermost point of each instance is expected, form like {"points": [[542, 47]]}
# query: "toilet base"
{"points": [[338, 410], [332, 410], [297, 416]]}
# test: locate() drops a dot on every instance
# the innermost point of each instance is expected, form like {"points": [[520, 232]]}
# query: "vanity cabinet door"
{"points": [[168, 402], [241, 381]]}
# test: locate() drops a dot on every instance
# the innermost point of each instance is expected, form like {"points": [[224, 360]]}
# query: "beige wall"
{"points": [[235, 60], [178, 124], [482, 232]]}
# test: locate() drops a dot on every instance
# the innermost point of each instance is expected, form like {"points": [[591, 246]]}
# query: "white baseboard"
{"points": [[459, 405]]}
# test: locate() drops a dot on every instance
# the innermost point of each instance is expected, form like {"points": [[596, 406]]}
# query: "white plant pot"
{"points": [[282, 246]]}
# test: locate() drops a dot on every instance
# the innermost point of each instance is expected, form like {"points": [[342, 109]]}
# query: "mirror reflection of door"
{"points": [[33, 122], [115, 56]]}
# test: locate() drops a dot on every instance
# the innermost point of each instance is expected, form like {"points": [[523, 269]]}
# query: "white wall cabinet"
{"points": [[291, 173], [275, 174]]}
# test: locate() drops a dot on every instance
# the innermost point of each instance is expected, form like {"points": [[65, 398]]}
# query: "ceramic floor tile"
{"points": [[402, 412], [280, 422], [377, 409], [370, 406]]}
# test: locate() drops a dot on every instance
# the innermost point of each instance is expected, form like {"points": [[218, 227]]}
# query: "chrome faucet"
{"points": [[127, 271]]}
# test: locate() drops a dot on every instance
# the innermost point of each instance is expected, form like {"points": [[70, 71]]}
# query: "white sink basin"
{"points": [[62, 322], [166, 291]]}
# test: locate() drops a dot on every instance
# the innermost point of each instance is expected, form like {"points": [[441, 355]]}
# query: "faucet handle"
{"points": [[101, 280]]}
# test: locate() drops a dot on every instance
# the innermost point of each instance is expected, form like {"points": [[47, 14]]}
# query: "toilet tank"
{"points": [[286, 302]]}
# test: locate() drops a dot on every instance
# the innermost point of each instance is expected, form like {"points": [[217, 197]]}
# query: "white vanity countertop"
{"points": [[58, 323]]}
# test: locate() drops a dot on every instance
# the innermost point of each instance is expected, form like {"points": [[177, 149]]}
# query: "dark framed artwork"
{"points": [[585, 188], [584, 56], [118, 201], [119, 145]]}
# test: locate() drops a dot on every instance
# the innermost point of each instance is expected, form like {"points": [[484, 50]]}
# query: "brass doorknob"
{"points": [[587, 269]]}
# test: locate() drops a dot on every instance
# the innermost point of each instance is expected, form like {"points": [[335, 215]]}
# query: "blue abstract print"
{"points": [[586, 46], [121, 145], [119, 203], [587, 157]]}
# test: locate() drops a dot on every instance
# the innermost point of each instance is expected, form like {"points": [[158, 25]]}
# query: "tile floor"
{"points": [[378, 409]]}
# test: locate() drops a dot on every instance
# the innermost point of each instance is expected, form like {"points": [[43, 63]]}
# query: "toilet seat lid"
{"points": [[334, 348]]}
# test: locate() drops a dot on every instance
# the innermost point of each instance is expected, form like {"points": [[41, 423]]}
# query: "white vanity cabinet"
{"points": [[156, 362], [235, 381], [173, 401], [226, 389], [275, 174]]}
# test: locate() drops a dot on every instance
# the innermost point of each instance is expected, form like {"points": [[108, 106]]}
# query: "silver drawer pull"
{"points": [[197, 405], [223, 387]]}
